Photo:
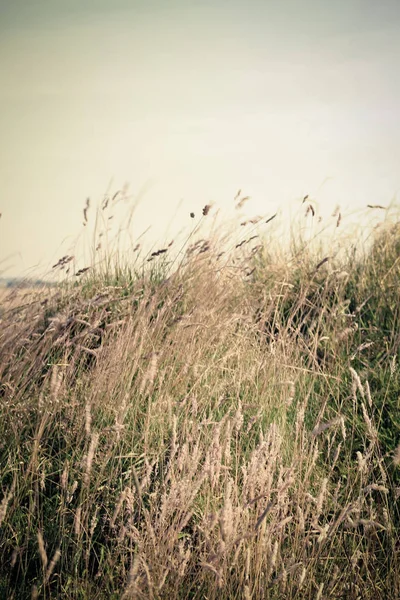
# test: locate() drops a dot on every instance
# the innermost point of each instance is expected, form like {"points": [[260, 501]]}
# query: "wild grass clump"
{"points": [[226, 428]]}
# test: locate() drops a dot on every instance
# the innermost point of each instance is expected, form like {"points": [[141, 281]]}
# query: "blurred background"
{"points": [[181, 104]]}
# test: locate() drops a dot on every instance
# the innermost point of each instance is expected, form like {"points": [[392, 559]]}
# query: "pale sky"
{"points": [[188, 102]]}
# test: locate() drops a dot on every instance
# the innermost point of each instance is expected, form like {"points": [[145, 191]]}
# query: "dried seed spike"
{"points": [[336, 455], [374, 487], [55, 382], [88, 418], [362, 462], [53, 563], [90, 455], [302, 577], [256, 249], [6, 499], [322, 262], [319, 593], [396, 456], [42, 549], [158, 252], [318, 429], [310, 208], [64, 477], [321, 497], [205, 247], [342, 335], [271, 218], [357, 381], [241, 202], [206, 210], [368, 393], [85, 213], [336, 212], [263, 515]]}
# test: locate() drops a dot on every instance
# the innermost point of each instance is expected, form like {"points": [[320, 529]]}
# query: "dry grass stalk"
{"points": [[371, 431], [70, 496], [241, 202], [77, 521], [322, 262], [88, 418], [85, 211], [319, 592], [6, 500], [374, 487], [149, 378], [321, 427], [55, 383], [396, 458], [357, 381], [52, 565], [90, 455], [345, 333], [42, 550]]}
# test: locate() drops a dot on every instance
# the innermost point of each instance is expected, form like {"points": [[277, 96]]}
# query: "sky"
{"points": [[187, 102]]}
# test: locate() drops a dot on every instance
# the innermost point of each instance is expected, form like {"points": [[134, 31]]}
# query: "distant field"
{"points": [[14, 296]]}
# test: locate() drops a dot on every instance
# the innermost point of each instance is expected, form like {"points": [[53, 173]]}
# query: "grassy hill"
{"points": [[228, 428]]}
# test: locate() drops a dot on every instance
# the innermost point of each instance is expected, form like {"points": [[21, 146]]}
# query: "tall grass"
{"points": [[223, 427]]}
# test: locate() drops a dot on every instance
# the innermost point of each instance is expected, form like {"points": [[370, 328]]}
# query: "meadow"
{"points": [[224, 424]]}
